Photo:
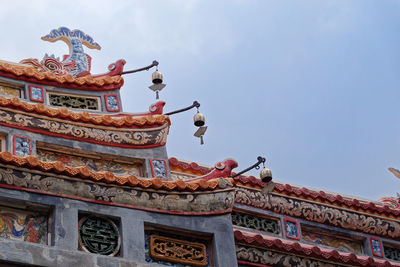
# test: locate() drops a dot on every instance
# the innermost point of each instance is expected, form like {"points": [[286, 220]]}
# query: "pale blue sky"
{"points": [[311, 85]]}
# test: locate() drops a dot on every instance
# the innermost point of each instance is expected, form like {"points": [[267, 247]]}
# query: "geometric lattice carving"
{"points": [[178, 251], [392, 253], [78, 102], [258, 223], [99, 235]]}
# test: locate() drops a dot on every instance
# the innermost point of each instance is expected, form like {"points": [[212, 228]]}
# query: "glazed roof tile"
{"points": [[34, 163], [21, 72], [309, 250], [302, 192], [85, 117], [192, 167]]}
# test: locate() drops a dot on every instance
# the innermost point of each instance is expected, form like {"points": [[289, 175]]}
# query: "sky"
{"points": [[313, 86]]}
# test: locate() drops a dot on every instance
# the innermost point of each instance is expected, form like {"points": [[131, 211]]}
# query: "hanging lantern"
{"points": [[199, 119], [157, 79], [265, 175]]}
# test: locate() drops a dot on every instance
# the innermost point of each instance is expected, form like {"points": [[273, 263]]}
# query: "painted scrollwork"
{"points": [[276, 259], [130, 137], [202, 202], [319, 213]]}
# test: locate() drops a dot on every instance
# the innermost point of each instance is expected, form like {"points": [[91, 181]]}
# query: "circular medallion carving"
{"points": [[99, 235]]}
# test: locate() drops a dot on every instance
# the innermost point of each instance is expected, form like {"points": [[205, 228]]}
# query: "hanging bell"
{"points": [[157, 77], [265, 175], [199, 119]]}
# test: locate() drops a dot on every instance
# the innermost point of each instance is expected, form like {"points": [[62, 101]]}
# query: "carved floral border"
{"points": [[318, 213], [202, 203]]}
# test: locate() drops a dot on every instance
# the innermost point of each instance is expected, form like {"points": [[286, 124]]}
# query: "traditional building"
{"points": [[84, 184]]}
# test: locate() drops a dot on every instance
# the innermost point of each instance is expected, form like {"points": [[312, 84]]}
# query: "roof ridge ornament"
{"points": [[77, 63]]}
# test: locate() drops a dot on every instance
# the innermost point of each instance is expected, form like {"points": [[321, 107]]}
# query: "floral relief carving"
{"points": [[122, 136], [319, 213], [274, 258], [215, 201]]}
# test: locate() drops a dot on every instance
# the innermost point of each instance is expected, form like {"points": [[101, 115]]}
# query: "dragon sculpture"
{"points": [[77, 63]]}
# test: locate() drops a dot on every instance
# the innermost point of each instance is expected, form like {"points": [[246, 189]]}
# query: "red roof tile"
{"points": [[310, 250]]}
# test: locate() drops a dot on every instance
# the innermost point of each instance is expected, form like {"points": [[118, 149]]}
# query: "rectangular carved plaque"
{"points": [[178, 251]]}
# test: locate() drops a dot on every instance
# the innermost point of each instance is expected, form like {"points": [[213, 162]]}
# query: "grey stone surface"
{"points": [[63, 248]]}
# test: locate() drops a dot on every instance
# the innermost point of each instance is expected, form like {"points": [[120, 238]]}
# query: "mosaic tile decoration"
{"points": [[292, 229], [22, 146], [36, 93], [376, 247], [23, 225], [93, 164], [159, 168], [185, 239], [112, 102], [333, 241], [9, 91]]}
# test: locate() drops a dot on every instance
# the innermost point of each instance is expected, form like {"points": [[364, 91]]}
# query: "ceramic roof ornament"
{"points": [[77, 63]]}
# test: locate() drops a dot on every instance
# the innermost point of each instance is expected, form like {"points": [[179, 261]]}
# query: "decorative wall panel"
{"points": [[319, 213], [23, 225], [36, 93], [176, 250], [112, 102], [202, 202], [277, 259], [95, 165], [376, 247], [22, 146], [75, 102], [159, 168], [255, 222], [125, 137], [99, 235], [334, 241], [291, 229], [9, 91], [392, 253]]}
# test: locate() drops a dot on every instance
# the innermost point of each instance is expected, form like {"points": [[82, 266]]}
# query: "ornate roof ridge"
{"points": [[309, 250], [297, 191], [85, 117], [189, 166], [30, 74], [57, 167]]}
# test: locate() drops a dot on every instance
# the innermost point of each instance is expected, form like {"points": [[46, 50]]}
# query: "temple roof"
{"points": [[58, 167], [63, 113], [30, 74], [298, 248], [338, 200]]}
